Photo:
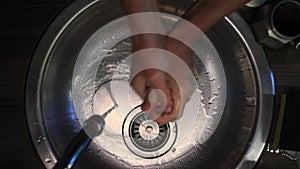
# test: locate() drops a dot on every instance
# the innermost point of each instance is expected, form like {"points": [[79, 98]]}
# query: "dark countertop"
{"points": [[22, 23]]}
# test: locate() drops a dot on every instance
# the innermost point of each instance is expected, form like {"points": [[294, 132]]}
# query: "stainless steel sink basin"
{"points": [[67, 83]]}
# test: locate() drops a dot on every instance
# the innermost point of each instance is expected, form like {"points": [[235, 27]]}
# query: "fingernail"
{"points": [[168, 108]]}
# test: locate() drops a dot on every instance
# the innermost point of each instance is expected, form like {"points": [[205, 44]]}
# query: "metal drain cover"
{"points": [[147, 138]]}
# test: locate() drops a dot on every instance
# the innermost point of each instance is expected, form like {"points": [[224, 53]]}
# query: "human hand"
{"points": [[158, 87]]}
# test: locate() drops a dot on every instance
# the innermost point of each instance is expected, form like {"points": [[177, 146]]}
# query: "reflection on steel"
{"points": [[92, 128], [256, 3]]}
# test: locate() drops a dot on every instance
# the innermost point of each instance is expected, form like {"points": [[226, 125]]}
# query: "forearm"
{"points": [[136, 6], [207, 13], [204, 14], [146, 23]]}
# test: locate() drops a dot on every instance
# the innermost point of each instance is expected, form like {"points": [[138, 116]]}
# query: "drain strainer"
{"points": [[145, 137]]}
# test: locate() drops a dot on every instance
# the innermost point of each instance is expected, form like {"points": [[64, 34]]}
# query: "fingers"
{"points": [[177, 104], [139, 84], [148, 80], [180, 96], [161, 84]]}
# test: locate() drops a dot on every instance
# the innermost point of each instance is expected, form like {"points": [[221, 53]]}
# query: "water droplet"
{"points": [[212, 78], [175, 129], [173, 150], [207, 116], [36, 124], [245, 69], [200, 91], [289, 156], [277, 151], [209, 131], [38, 141], [215, 108], [48, 160], [202, 101], [216, 93], [211, 100], [251, 101], [242, 60], [215, 113]]}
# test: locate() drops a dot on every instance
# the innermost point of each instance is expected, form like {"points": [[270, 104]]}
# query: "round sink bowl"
{"points": [[81, 68]]}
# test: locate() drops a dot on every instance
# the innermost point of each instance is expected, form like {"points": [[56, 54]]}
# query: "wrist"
{"points": [[180, 50], [143, 41]]}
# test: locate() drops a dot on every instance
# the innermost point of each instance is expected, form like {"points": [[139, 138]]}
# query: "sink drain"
{"points": [[147, 134], [147, 138]]}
